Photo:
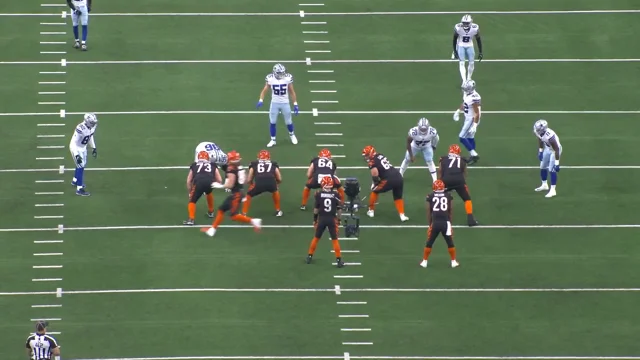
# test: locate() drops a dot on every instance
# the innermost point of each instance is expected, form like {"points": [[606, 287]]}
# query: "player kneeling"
{"points": [[264, 176], [321, 166], [201, 175], [440, 206], [453, 172], [234, 180], [385, 178], [326, 216]]}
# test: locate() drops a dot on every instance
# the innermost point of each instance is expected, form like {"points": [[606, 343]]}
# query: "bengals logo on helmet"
{"points": [[234, 157], [203, 155], [368, 152], [324, 153], [264, 155], [327, 182], [438, 186], [454, 149]]}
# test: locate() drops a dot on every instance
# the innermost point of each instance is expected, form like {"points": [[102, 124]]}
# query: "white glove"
{"points": [[456, 115], [473, 128], [217, 185]]}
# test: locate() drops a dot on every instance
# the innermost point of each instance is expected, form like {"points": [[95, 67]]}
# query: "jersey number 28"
{"points": [[280, 89], [440, 204]]}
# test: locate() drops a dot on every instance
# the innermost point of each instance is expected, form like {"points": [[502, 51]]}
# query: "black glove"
{"points": [[78, 159], [95, 153], [480, 57]]}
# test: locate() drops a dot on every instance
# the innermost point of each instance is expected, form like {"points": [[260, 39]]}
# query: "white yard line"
{"points": [[347, 356]]}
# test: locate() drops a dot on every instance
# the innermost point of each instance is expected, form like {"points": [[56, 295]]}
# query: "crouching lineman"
{"points": [[216, 155], [321, 166], [264, 176], [385, 178], [201, 175], [326, 216], [422, 139], [549, 151], [440, 206], [234, 178], [453, 172]]}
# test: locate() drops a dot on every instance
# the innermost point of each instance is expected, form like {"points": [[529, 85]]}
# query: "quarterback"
{"points": [[422, 139], [463, 34], [549, 151], [83, 136], [471, 107], [281, 84]]}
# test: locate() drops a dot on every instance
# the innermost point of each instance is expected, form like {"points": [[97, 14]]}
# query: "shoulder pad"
{"points": [[433, 131], [275, 164], [79, 130], [314, 159], [457, 26], [289, 77], [413, 131], [268, 77], [474, 26]]}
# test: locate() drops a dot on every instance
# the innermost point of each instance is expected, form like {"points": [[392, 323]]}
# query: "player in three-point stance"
{"points": [[471, 107], [422, 139], [385, 178], [281, 84], [264, 176], [549, 151], [439, 205], [80, 10], [234, 180], [321, 166], [83, 136], [453, 173], [202, 174], [463, 34], [216, 154], [326, 216]]}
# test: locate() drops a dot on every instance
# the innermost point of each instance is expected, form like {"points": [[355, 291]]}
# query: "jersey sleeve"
{"points": [[455, 28], [290, 78], [27, 345], [52, 342], [412, 132], [267, 79], [275, 165]]}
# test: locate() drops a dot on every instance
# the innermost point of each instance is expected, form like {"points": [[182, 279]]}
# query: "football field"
{"points": [[119, 277]]}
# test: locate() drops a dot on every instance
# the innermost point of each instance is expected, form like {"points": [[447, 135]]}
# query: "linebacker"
{"points": [[80, 10], [440, 207], [463, 34], [264, 176], [281, 84], [422, 139], [326, 216], [234, 180], [385, 178], [453, 172], [83, 136], [471, 107], [549, 151], [321, 166], [202, 174]]}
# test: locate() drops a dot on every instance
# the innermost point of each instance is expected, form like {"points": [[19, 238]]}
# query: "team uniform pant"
{"points": [[82, 19], [278, 108], [440, 227], [426, 152]]}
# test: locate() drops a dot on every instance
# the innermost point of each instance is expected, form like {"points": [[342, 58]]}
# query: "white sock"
{"points": [[473, 153], [404, 166], [553, 187], [432, 170], [463, 71], [470, 70], [544, 183], [273, 138]]}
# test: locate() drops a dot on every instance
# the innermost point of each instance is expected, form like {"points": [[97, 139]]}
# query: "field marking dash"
{"points": [[53, 33], [46, 306], [50, 136], [317, 51], [322, 81], [330, 145], [324, 101], [49, 217], [49, 205], [324, 91], [47, 319], [323, 71], [50, 193], [315, 32], [46, 280], [314, 23], [357, 343], [316, 41], [53, 24], [48, 241], [348, 276], [52, 82], [51, 93], [50, 124], [327, 123], [51, 147], [51, 102], [53, 52], [355, 329], [310, 4], [349, 251], [328, 134], [49, 181], [47, 266], [50, 158], [353, 316], [352, 303], [338, 156], [47, 254]]}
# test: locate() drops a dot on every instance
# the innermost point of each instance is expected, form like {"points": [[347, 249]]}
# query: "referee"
{"points": [[41, 346]]}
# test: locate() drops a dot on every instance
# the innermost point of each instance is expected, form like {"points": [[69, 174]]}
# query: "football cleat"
{"points": [[279, 213], [543, 187], [303, 207], [294, 139], [82, 192], [210, 215], [551, 193], [454, 264], [471, 221], [257, 224], [423, 264], [271, 143], [404, 217], [210, 231], [339, 262], [83, 47], [76, 45], [308, 259], [73, 183], [473, 159], [370, 213], [189, 222]]}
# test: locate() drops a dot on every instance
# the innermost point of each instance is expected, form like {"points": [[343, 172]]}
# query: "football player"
{"points": [[83, 136], [216, 155], [471, 107], [440, 206], [264, 176], [281, 84], [549, 151], [453, 172], [422, 139], [463, 34], [202, 174], [234, 180], [80, 10], [385, 178], [326, 216], [321, 166]]}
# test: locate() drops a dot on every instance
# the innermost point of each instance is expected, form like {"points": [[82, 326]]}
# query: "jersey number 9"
{"points": [[85, 140], [328, 205], [280, 89]]}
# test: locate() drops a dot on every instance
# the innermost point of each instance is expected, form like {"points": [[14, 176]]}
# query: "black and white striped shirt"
{"points": [[41, 346]]}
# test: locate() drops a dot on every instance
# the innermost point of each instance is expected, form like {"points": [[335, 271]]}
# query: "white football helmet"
{"points": [[469, 86], [466, 22], [90, 120], [279, 71], [423, 126], [540, 126]]}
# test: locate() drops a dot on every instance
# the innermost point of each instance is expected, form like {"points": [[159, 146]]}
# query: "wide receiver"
{"points": [[385, 178], [264, 176], [463, 34], [216, 155], [453, 172], [422, 139], [326, 216], [281, 84], [83, 136], [471, 107], [549, 151], [321, 166], [439, 205]]}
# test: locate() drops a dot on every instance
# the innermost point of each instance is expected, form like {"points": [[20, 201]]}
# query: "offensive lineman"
{"points": [[321, 166], [264, 176], [385, 178], [83, 136], [471, 107], [422, 139], [440, 206], [549, 151], [281, 84], [326, 216], [463, 34], [80, 10], [202, 174], [453, 173], [216, 155]]}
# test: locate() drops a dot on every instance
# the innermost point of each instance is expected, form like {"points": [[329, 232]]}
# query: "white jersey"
{"points": [[465, 37], [79, 3], [422, 141], [467, 105], [547, 137], [83, 136], [211, 148], [279, 88]]}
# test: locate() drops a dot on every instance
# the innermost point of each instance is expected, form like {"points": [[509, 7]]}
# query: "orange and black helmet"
{"points": [[327, 182], [264, 155], [454, 149], [438, 186], [234, 157], [203, 155], [324, 153], [368, 152]]}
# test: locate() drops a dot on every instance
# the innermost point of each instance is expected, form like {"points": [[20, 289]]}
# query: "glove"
{"points": [[540, 154], [296, 109], [78, 159], [77, 11], [454, 55], [480, 57], [95, 153], [89, 9], [227, 190], [556, 167], [473, 128], [259, 105], [456, 115], [217, 185]]}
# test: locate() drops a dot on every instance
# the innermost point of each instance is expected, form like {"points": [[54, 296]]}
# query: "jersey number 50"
{"points": [[280, 89]]}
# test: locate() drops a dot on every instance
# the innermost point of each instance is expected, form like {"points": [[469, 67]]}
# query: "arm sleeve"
{"points": [[455, 39], [435, 141], [479, 40]]}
